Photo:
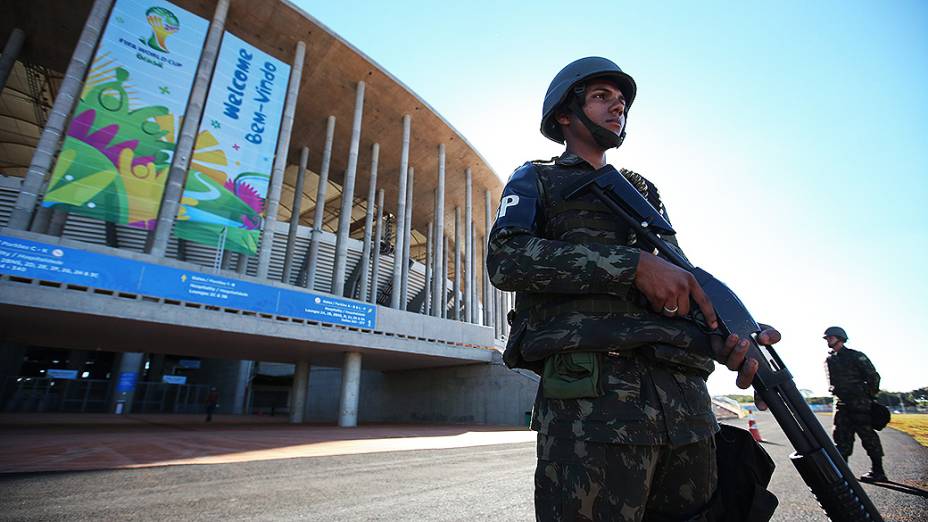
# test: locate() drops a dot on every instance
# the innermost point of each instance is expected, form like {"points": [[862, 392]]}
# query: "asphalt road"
{"points": [[476, 483]]}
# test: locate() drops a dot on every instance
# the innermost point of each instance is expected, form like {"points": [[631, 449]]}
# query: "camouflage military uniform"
{"points": [[854, 381], [646, 440]]}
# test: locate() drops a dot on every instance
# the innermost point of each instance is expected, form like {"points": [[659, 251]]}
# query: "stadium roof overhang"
{"points": [[331, 72]]}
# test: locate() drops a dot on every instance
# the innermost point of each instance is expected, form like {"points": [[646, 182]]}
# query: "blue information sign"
{"points": [[189, 363], [61, 374], [126, 382], [24, 258]]}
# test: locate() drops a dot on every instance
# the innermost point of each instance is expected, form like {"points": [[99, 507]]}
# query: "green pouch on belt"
{"points": [[572, 375]]}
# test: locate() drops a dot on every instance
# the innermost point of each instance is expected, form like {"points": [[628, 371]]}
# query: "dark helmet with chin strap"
{"points": [[570, 86], [836, 331]]}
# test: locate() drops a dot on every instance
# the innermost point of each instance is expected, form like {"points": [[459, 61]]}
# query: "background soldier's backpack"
{"points": [[879, 416]]}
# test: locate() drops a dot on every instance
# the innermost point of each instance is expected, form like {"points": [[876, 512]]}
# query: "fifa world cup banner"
{"points": [[115, 157], [227, 184]]}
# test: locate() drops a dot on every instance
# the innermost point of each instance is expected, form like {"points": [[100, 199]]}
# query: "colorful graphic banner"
{"points": [[115, 157], [228, 180], [24, 258]]}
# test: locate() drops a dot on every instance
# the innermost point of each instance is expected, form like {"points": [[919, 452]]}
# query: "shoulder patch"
{"points": [[518, 206]]}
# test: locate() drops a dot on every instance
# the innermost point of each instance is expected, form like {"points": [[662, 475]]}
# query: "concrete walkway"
{"points": [[70, 442]]}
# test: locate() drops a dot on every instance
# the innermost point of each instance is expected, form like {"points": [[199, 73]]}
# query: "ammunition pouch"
{"points": [[573, 375], [512, 355]]}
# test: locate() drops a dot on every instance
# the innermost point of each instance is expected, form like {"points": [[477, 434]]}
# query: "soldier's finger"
{"points": [[737, 355], [746, 374], [761, 405], [769, 336], [684, 307], [656, 304], [705, 305], [730, 342]]}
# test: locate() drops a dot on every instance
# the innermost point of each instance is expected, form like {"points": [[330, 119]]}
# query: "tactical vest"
{"points": [[847, 377], [601, 322]]}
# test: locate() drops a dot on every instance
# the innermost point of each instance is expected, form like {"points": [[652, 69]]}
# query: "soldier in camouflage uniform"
{"points": [[623, 415], [855, 383]]}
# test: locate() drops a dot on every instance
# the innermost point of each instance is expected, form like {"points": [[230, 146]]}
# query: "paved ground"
{"points": [[471, 482], [37, 443]]}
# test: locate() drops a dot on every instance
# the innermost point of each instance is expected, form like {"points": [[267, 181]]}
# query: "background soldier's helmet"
{"points": [[575, 75], [836, 331]]}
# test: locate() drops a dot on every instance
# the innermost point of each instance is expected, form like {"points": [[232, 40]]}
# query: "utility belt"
{"points": [[580, 375], [592, 304]]}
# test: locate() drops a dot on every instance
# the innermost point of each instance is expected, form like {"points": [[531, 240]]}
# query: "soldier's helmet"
{"points": [[573, 77], [836, 331]]}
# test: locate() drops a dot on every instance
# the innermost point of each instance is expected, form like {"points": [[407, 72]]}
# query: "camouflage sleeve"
{"points": [[870, 374], [520, 259]]}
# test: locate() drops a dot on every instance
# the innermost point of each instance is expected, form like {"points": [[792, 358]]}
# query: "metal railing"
{"points": [[45, 394]]}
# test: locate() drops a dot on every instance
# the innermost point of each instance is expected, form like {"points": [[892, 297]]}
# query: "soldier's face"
{"points": [[605, 105], [832, 341]]}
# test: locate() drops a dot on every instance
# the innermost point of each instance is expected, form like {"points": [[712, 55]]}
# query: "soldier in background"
{"points": [[623, 414], [855, 383]]}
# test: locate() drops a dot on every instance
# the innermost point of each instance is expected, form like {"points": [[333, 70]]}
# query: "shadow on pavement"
{"points": [[902, 488]]}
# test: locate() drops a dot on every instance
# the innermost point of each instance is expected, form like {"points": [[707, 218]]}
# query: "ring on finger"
{"points": [[670, 310]]}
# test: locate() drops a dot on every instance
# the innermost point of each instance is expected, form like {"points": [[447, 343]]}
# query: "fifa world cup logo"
{"points": [[163, 24]]}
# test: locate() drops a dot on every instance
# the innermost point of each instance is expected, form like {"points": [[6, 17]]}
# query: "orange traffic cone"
{"points": [[752, 427]]}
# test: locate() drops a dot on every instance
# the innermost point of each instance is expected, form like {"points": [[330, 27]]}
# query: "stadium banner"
{"points": [[118, 147], [229, 175], [60, 264]]}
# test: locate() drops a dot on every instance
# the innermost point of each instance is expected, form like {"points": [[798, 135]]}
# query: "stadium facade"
{"points": [[203, 194]]}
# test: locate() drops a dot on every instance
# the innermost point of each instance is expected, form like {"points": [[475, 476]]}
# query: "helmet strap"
{"points": [[603, 137]]}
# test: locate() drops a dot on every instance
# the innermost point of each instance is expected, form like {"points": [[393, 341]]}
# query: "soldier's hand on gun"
{"points": [[733, 354], [670, 289]]}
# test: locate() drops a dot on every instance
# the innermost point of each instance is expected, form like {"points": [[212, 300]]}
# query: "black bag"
{"points": [[879, 416], [744, 473]]}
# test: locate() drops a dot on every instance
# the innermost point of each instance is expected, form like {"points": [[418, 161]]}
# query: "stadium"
{"points": [[226, 197]]}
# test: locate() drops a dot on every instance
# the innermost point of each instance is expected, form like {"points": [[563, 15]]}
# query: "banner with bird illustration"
{"points": [[118, 146]]}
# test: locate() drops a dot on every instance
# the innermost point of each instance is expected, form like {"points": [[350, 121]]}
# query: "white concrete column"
{"points": [[507, 305], [68, 93], [488, 308], [469, 246], [14, 45], [295, 215], [407, 239], [351, 391], [280, 162], [157, 242], [378, 237], [298, 392], [241, 393], [457, 267], [497, 299], [427, 309], [441, 271], [126, 379], [344, 218], [446, 247], [472, 282], [318, 214], [369, 223], [395, 301]]}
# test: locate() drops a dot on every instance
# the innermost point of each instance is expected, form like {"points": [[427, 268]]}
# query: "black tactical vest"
{"points": [[847, 376]]}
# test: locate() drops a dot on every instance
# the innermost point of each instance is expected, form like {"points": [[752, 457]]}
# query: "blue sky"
{"points": [[788, 140]]}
